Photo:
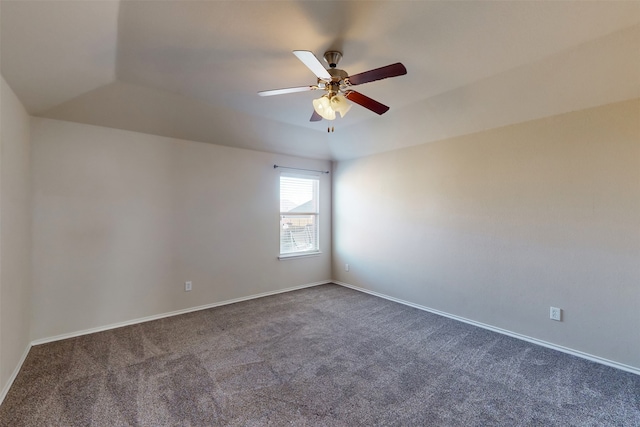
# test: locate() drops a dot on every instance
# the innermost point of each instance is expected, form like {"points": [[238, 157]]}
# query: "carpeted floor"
{"points": [[322, 356]]}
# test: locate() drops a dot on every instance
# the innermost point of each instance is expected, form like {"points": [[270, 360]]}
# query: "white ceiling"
{"points": [[191, 69]]}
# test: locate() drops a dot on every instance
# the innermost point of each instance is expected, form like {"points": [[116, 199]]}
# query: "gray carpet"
{"points": [[322, 356]]}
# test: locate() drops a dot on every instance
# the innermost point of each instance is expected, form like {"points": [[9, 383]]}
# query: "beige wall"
{"points": [[498, 226], [123, 219], [15, 233]]}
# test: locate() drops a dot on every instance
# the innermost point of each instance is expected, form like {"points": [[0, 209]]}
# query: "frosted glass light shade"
{"points": [[322, 106], [339, 103]]}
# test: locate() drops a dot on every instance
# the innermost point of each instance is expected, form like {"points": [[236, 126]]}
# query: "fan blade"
{"points": [[312, 63], [392, 70], [287, 90], [366, 102], [315, 117]]}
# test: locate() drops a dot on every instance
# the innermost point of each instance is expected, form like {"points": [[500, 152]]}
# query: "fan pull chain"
{"points": [[330, 129]]}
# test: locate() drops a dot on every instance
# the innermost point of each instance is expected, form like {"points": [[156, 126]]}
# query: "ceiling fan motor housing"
{"points": [[337, 81], [337, 75]]}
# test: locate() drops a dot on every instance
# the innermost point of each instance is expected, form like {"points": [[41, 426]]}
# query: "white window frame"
{"points": [[301, 253]]}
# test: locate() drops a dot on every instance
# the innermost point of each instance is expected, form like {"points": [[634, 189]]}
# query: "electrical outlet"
{"points": [[346, 267], [555, 313], [187, 286]]}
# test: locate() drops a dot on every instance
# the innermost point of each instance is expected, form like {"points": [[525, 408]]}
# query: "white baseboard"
{"points": [[560, 348], [170, 314], [13, 376]]}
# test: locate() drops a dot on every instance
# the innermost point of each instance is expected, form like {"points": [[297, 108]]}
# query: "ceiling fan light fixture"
{"points": [[322, 106]]}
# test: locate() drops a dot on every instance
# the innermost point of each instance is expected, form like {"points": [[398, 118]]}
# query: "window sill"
{"points": [[298, 255]]}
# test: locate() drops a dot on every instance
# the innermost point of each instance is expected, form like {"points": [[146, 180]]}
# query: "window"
{"points": [[299, 212]]}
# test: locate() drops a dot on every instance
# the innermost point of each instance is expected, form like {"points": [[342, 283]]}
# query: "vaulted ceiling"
{"points": [[191, 69]]}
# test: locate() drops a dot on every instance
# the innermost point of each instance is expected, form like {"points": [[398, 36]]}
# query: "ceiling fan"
{"points": [[337, 85]]}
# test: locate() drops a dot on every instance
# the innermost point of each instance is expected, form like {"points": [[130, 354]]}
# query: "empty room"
{"points": [[319, 213]]}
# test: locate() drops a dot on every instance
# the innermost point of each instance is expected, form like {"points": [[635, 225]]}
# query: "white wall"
{"points": [[498, 226], [123, 219], [15, 233]]}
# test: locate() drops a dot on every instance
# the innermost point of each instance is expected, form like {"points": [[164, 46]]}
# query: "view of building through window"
{"points": [[298, 214]]}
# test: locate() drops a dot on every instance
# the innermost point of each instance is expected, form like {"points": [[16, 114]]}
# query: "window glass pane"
{"points": [[298, 194], [298, 233], [298, 214]]}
